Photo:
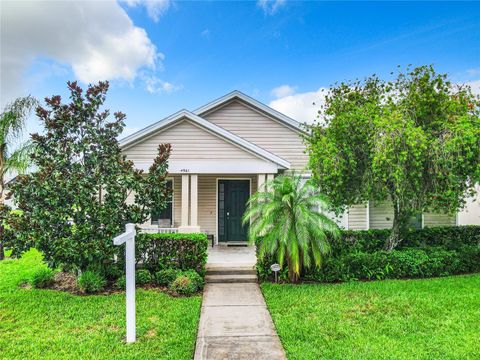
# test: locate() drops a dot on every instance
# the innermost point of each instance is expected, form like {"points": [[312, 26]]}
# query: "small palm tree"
{"points": [[14, 155], [287, 221]]}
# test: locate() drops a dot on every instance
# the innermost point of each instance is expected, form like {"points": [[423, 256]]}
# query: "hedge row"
{"points": [[448, 237], [172, 251], [398, 264], [430, 252]]}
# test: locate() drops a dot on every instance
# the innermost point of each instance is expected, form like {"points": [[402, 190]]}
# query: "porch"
{"points": [[210, 203]]}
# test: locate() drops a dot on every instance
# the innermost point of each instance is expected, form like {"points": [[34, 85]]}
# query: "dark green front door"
{"points": [[232, 201]]}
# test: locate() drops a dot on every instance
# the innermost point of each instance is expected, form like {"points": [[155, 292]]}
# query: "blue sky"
{"points": [[163, 56]]}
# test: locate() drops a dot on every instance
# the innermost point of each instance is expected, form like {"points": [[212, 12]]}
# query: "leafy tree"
{"points": [[414, 141], [14, 155], [75, 201], [288, 222]]}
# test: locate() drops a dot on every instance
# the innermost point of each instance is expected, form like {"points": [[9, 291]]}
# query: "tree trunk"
{"points": [[294, 278], [2, 254], [399, 226]]}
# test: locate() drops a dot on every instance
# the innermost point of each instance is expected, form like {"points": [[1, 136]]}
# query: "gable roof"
{"points": [[282, 118], [207, 125]]}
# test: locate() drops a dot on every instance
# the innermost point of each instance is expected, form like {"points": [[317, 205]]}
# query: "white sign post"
{"points": [[275, 268], [128, 237]]}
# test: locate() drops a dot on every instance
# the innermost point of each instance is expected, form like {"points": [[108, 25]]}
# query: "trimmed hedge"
{"points": [[359, 255], [449, 237], [156, 252], [398, 264]]}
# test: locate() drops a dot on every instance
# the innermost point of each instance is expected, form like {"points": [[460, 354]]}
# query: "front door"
{"points": [[232, 202]]}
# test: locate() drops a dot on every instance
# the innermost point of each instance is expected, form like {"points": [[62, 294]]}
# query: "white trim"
{"points": [[347, 217], [261, 182], [205, 166], [206, 125], [368, 215], [193, 200], [185, 200], [270, 178], [216, 200], [255, 103]]}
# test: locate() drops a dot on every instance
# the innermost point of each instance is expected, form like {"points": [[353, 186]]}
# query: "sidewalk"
{"points": [[235, 324]]}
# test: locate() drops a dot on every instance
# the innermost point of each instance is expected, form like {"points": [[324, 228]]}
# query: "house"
{"points": [[221, 154]]}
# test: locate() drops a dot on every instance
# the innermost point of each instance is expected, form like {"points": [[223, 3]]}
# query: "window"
{"points": [[415, 222], [164, 218]]}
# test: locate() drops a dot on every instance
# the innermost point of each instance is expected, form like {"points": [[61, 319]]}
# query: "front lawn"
{"points": [[48, 324], [397, 319]]}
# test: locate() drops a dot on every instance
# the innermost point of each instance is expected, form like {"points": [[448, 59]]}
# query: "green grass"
{"points": [[48, 324], [414, 319]]}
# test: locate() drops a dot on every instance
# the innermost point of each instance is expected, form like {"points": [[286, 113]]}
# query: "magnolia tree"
{"points": [[414, 141], [75, 201]]}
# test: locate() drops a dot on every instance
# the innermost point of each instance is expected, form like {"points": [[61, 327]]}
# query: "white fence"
{"points": [[158, 230]]}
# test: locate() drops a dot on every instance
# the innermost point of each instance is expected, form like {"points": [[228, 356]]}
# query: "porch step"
{"points": [[231, 278], [231, 271]]}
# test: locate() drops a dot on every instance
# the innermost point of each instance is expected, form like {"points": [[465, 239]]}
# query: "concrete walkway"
{"points": [[224, 256], [235, 323]]}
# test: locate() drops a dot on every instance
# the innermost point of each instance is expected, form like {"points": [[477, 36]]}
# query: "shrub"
{"points": [[63, 188], [470, 259], [172, 251], [121, 282], [42, 278], [448, 237], [143, 277], [397, 264], [91, 282], [183, 285], [166, 277], [196, 279]]}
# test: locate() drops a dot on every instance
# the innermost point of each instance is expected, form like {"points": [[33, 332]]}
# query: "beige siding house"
{"points": [[373, 215], [221, 154]]}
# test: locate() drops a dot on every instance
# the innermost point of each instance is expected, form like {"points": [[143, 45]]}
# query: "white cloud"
{"points": [[96, 39], [154, 84], [283, 90], [473, 72], [270, 7], [205, 33], [155, 8], [302, 107], [475, 86]]}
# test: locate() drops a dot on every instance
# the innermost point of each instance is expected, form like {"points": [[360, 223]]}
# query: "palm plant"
{"points": [[14, 155], [287, 221]]}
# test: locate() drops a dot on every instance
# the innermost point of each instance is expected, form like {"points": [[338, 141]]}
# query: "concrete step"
{"points": [[230, 279], [231, 271]]}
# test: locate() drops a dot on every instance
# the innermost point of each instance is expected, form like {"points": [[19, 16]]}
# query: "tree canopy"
{"points": [[76, 199], [288, 221], [414, 141]]}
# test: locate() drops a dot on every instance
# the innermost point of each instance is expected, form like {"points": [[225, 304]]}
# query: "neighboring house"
{"points": [[221, 154]]}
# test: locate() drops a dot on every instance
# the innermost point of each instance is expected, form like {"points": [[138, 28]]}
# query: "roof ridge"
{"points": [[286, 120], [219, 131]]}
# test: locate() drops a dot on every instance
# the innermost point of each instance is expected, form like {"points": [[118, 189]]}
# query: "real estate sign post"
{"points": [[128, 237]]}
